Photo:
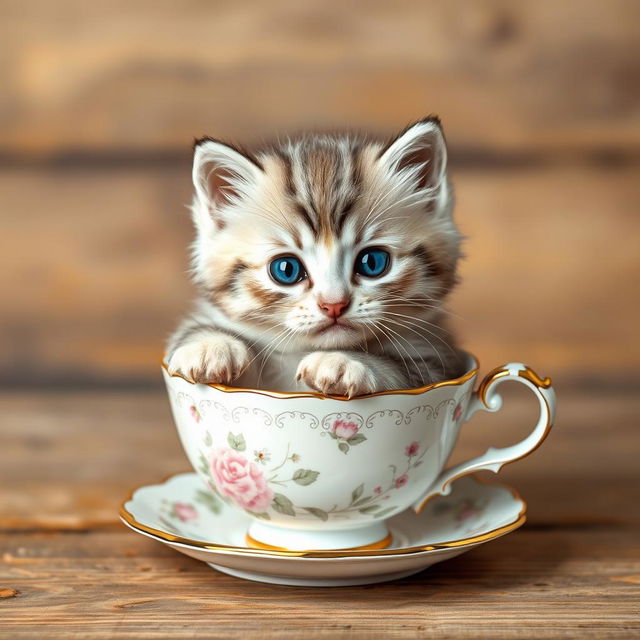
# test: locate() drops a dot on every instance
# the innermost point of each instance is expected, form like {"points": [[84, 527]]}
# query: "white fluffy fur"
{"points": [[392, 339]]}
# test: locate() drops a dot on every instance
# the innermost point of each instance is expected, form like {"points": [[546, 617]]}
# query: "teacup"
{"points": [[325, 472]]}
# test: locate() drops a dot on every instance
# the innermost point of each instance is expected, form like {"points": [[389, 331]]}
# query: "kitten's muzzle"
{"points": [[334, 309]]}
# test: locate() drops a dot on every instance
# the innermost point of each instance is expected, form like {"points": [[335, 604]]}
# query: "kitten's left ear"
{"points": [[420, 152], [222, 174]]}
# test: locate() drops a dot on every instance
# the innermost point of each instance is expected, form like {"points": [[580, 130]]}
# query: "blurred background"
{"points": [[100, 103], [99, 106]]}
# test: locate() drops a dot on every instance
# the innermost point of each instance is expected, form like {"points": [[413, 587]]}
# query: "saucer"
{"points": [[182, 513]]}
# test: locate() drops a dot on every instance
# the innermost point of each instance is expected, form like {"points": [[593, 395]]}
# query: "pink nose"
{"points": [[334, 309]]}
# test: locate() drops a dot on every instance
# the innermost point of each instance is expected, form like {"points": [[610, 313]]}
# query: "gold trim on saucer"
{"points": [[380, 544], [129, 519], [314, 394]]}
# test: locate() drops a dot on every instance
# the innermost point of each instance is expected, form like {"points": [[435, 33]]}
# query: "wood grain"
{"points": [[119, 585], [97, 270], [67, 567], [516, 78]]}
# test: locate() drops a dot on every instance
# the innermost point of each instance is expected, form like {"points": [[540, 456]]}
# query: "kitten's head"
{"points": [[326, 241]]}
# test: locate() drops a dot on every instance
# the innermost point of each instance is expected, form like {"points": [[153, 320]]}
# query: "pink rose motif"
{"points": [[377, 491], [401, 480], [457, 412], [412, 449], [195, 414], [466, 511], [344, 429], [240, 480], [184, 512]]}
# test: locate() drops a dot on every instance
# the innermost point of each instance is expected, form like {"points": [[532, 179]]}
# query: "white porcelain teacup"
{"points": [[323, 472]]}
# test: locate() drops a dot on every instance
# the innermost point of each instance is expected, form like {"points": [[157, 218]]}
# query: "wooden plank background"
{"points": [[99, 105]]}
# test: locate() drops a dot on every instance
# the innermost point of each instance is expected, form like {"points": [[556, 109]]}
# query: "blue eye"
{"points": [[372, 263], [287, 270]]}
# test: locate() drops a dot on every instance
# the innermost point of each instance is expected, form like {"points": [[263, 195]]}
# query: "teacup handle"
{"points": [[487, 399]]}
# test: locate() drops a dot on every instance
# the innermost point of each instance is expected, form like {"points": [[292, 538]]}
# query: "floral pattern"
{"points": [[261, 485], [235, 478], [262, 456], [239, 479], [412, 449], [346, 432], [466, 513], [184, 512]]}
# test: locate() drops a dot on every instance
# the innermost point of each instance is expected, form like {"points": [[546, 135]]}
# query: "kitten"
{"points": [[323, 263]]}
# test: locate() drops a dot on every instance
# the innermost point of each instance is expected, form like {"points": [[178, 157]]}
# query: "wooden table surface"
{"points": [[69, 568]]}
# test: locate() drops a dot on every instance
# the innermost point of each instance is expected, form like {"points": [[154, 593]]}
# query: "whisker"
{"points": [[406, 328], [399, 335], [268, 344], [414, 302], [375, 335], [393, 344], [409, 320], [396, 341], [274, 346]]}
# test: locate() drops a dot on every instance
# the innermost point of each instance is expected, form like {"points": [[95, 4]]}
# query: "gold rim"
{"points": [[380, 544], [314, 394], [130, 520], [531, 376]]}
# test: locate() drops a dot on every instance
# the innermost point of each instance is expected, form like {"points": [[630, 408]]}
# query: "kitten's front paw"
{"points": [[335, 373], [217, 358]]}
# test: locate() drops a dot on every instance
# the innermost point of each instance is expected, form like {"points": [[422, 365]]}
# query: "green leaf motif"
{"points": [[208, 440], [344, 447], [357, 438], [370, 509], [359, 503], [305, 476], [263, 516], [225, 499], [318, 513], [384, 512], [236, 442], [357, 492], [208, 500], [282, 504], [204, 465]]}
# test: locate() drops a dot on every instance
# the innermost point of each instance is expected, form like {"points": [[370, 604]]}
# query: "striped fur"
{"points": [[322, 198]]}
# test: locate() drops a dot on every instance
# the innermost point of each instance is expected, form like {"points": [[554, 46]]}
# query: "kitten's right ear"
{"points": [[222, 174]]}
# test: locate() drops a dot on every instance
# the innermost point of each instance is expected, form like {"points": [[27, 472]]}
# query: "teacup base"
{"points": [[367, 538]]}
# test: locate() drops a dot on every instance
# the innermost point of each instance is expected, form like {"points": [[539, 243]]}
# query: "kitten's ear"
{"points": [[222, 174], [420, 153]]}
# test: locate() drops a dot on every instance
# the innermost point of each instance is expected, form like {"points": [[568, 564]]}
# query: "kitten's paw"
{"points": [[335, 373], [217, 358]]}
